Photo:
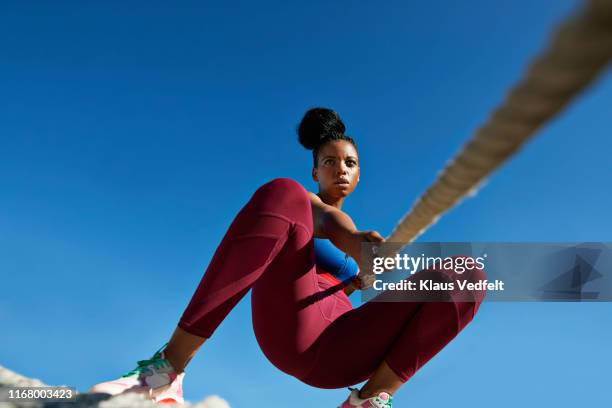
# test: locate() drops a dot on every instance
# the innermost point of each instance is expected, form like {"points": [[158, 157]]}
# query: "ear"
{"points": [[315, 175]]}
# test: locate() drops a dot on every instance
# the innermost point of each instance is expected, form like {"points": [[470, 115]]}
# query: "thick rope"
{"points": [[579, 51]]}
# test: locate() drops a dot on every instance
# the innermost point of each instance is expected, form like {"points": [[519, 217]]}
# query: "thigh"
{"points": [[350, 349], [290, 308]]}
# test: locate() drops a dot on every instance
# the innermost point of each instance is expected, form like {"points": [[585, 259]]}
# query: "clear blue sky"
{"points": [[131, 134]]}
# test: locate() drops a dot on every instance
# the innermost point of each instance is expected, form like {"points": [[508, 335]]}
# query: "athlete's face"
{"points": [[337, 170]]}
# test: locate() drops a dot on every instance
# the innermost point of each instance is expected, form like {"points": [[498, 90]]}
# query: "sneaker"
{"points": [[154, 378], [382, 400]]}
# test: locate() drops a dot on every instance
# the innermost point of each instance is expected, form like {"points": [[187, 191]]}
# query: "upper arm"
{"points": [[319, 210], [331, 223]]}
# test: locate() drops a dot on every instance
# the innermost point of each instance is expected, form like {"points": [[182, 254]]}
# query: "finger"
{"points": [[374, 236], [379, 238], [367, 280]]}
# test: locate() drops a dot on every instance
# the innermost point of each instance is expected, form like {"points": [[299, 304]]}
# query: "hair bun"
{"points": [[317, 124]]}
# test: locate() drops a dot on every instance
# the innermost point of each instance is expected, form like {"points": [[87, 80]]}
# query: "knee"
{"points": [[284, 185], [471, 302], [478, 275], [466, 311], [284, 192]]}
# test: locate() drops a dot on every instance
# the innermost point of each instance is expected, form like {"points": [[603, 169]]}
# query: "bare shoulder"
{"points": [[317, 203], [314, 198]]}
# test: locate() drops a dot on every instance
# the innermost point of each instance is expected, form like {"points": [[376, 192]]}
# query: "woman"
{"points": [[315, 335]]}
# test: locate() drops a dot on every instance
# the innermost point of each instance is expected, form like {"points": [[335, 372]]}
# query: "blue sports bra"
{"points": [[333, 261]]}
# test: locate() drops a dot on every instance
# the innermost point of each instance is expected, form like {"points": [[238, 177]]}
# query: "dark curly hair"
{"points": [[320, 126]]}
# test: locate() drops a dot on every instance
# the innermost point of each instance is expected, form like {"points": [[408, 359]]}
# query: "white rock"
{"points": [[10, 379]]}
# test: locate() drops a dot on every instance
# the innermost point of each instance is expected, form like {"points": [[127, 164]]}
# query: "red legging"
{"points": [[304, 325]]}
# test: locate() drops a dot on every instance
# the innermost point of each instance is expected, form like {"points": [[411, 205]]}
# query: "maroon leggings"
{"points": [[304, 325]]}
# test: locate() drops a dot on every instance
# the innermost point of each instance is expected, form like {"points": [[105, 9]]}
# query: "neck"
{"points": [[333, 201]]}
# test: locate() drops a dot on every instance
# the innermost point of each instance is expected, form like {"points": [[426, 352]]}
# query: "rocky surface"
{"points": [[10, 379]]}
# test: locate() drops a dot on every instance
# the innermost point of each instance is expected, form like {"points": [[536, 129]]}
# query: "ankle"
{"points": [[174, 362], [365, 393]]}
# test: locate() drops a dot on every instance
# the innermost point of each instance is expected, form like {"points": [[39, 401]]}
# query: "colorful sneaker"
{"points": [[155, 378], [382, 400]]}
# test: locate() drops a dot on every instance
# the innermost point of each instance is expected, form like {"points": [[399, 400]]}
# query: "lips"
{"points": [[342, 181]]}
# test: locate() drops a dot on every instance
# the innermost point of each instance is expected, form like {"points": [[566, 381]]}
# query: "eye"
{"points": [[351, 163], [328, 162]]}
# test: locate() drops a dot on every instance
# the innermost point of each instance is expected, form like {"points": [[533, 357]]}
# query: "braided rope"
{"points": [[579, 51]]}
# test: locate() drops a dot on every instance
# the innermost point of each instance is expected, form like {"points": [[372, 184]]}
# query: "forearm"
{"points": [[350, 288]]}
